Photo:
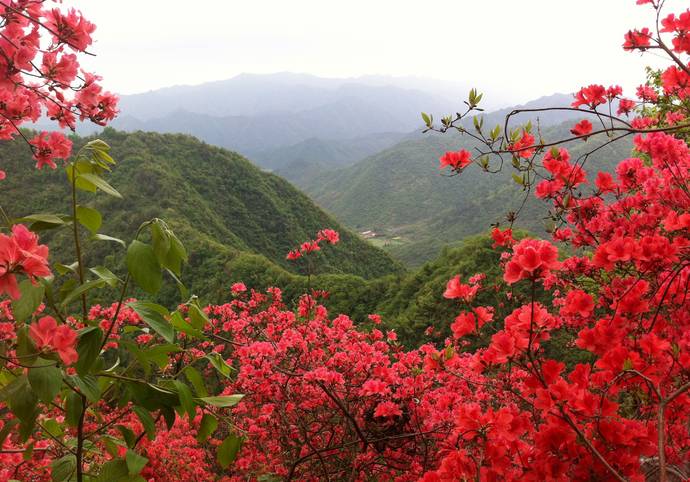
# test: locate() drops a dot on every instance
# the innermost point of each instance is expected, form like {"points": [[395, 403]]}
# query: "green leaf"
{"points": [[98, 145], [207, 426], [73, 409], [147, 421], [113, 471], [8, 390], [197, 316], [219, 364], [53, 427], [63, 468], [106, 275], [105, 237], [138, 354], [81, 289], [223, 401], [127, 435], [143, 266], [179, 323], [152, 314], [90, 218], [170, 252], [100, 150], [153, 397], [25, 346], [88, 385], [184, 292], [6, 429], [66, 268], [88, 348], [23, 401], [31, 297], [186, 398], [135, 462], [28, 452], [100, 183], [45, 379], [160, 241], [227, 451], [50, 219], [78, 167], [196, 380], [159, 354]]}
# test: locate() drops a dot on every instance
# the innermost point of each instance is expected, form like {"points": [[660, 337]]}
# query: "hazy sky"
{"points": [[521, 49]]}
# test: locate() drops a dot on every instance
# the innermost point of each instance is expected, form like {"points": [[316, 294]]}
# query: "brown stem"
{"points": [[77, 243], [80, 441], [661, 429], [347, 414], [591, 447], [113, 321]]}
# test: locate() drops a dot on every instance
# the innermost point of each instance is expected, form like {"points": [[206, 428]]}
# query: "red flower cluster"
{"points": [[563, 174], [591, 96], [582, 128], [20, 253], [46, 334], [680, 28], [328, 235], [587, 377], [42, 79], [523, 146], [502, 238], [48, 147], [637, 39], [531, 259], [457, 290], [456, 160]]}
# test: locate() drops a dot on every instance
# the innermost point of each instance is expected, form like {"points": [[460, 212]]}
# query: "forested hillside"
{"points": [[220, 204], [415, 208]]}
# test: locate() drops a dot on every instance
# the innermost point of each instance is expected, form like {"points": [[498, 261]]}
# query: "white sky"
{"points": [[492, 44]]}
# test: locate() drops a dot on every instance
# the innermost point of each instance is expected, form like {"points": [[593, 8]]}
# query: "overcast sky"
{"points": [[522, 49]]}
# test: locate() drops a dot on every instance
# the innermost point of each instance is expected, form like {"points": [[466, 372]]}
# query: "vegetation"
{"points": [[399, 192], [570, 365], [212, 198]]}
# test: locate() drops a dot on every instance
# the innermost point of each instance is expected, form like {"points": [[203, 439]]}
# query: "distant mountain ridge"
{"points": [[262, 115], [260, 94], [286, 122]]}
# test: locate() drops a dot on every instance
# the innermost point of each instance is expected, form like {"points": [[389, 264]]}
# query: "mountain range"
{"points": [[284, 118], [256, 114]]}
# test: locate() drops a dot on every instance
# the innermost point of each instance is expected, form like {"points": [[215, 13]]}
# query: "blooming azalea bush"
{"points": [[621, 300]]}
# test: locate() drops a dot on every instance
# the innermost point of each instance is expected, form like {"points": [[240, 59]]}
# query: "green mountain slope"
{"points": [[409, 303], [332, 152], [220, 204], [415, 209]]}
